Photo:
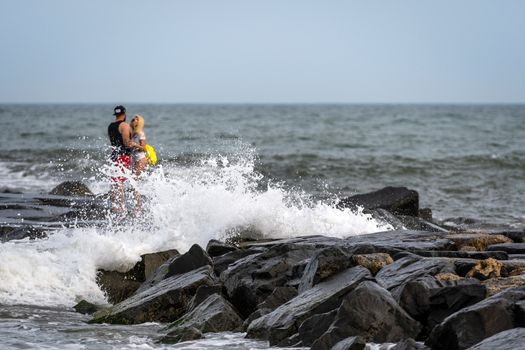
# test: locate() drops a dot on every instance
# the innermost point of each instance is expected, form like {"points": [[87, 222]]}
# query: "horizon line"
{"points": [[261, 103]]}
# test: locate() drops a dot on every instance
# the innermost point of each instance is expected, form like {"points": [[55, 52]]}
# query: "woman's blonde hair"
{"points": [[139, 127]]}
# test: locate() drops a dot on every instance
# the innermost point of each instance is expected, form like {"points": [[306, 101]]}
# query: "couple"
{"points": [[128, 154]]}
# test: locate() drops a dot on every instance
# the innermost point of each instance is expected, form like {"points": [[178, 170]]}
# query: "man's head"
{"points": [[119, 111]]}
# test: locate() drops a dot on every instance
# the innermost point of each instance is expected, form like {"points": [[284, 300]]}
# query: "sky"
{"points": [[271, 51]]}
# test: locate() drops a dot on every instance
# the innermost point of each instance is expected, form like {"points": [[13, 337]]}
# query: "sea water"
{"points": [[274, 170]]}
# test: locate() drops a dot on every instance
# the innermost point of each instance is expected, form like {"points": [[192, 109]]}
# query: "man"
{"points": [[119, 133]]}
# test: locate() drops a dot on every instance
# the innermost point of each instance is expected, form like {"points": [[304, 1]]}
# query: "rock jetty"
{"points": [[422, 285]]}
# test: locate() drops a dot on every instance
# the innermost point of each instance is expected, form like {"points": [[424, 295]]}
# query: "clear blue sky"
{"points": [[262, 51]]}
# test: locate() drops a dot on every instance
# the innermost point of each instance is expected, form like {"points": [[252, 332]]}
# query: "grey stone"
{"points": [[166, 301], [512, 339], [284, 321], [371, 312], [472, 324]]}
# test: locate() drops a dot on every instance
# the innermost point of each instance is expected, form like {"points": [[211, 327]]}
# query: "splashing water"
{"points": [[182, 206]]}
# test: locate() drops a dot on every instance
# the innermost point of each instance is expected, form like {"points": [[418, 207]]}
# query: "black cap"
{"points": [[119, 110]]}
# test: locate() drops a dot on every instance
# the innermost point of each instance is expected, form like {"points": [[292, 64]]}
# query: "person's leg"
{"points": [[117, 197], [138, 168], [117, 194]]}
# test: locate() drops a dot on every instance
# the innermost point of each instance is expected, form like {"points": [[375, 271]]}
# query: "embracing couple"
{"points": [[128, 144]]}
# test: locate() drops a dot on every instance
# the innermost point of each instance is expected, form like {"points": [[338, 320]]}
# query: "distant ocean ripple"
{"points": [[463, 160]]}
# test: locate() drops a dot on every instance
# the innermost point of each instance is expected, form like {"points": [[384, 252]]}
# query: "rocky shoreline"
{"points": [[422, 285]]}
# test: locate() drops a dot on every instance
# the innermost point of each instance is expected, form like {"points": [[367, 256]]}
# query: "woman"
{"points": [[138, 139]]}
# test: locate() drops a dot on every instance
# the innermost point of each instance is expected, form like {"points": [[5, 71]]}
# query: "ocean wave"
{"points": [[185, 205]]}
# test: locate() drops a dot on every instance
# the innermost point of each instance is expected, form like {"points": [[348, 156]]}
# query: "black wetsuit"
{"points": [[117, 142]]}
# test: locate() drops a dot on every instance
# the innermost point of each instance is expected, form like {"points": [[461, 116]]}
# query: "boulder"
{"points": [[512, 339], [489, 268], [71, 188], [166, 301], [85, 307], [430, 299], [472, 324], [325, 263], [478, 241], [118, 286], [372, 313], [314, 326], [496, 285], [218, 248], [393, 242], [373, 262], [516, 236], [193, 259], [179, 335], [30, 232], [410, 268], [249, 281], [350, 343], [215, 314], [397, 200], [221, 263], [284, 321], [203, 293], [279, 296], [510, 248]]}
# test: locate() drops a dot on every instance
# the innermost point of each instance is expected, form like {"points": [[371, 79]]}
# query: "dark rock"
{"points": [[214, 314], [510, 248], [314, 326], [392, 242], [149, 263], [202, 293], [118, 286], [472, 324], [71, 188], [193, 259], [397, 200], [350, 343], [425, 214], [284, 321], [179, 335], [409, 344], [371, 312], [221, 263], [218, 248], [166, 301], [279, 296], [498, 255], [410, 268], [324, 264], [30, 232], [430, 299], [177, 264], [250, 280], [86, 308], [419, 224], [512, 339]]}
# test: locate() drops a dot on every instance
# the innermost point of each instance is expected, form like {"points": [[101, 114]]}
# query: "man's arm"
{"points": [[125, 131]]}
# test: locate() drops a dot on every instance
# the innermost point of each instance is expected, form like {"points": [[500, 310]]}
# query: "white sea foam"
{"points": [[185, 206]]}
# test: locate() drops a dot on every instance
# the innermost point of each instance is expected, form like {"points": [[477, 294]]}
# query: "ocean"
{"points": [[278, 169]]}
